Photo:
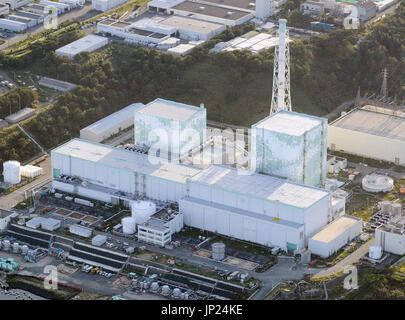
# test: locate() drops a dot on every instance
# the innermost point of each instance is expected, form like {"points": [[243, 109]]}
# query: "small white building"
{"points": [[20, 115], [29, 22], [182, 49], [99, 240], [162, 6], [110, 125], [73, 3], [105, 5], [5, 217], [60, 7], [335, 235], [391, 239], [367, 9], [80, 231], [89, 43], [35, 223], [50, 224], [315, 8], [30, 171]]}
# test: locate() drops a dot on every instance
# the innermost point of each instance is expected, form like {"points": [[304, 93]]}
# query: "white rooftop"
{"points": [[190, 24], [335, 228], [165, 4], [130, 160], [113, 119], [288, 122], [81, 45], [169, 110], [261, 186]]}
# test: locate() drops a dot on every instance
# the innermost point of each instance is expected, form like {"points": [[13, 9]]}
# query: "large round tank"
{"points": [[377, 183], [128, 225], [12, 172], [24, 250], [154, 286], [165, 290], [6, 245], [375, 252], [142, 210], [218, 251], [386, 207], [16, 247], [176, 292], [396, 209]]}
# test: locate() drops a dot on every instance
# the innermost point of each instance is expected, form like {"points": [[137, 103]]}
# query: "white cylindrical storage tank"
{"points": [[11, 172], [24, 250], [396, 209], [386, 207], [154, 286], [165, 290], [176, 292], [375, 252], [16, 247], [142, 210], [218, 251], [6, 245], [128, 225]]}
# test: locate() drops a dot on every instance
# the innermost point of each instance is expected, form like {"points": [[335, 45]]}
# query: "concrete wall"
{"points": [[366, 145]]}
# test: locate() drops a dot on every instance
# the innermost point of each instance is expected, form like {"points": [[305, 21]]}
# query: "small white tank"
{"points": [[128, 225], [165, 290], [16, 247], [142, 210], [24, 250], [12, 172], [218, 251], [396, 209], [176, 292], [154, 286], [6, 245], [375, 252]]}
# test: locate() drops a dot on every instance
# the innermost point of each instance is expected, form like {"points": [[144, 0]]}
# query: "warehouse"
{"points": [[14, 4], [257, 208], [291, 145], [39, 18], [38, 8], [10, 25], [173, 121], [194, 29], [105, 5], [244, 5], [89, 43], [73, 3], [353, 131], [29, 22], [116, 175], [61, 7], [110, 125], [211, 13], [335, 235]]}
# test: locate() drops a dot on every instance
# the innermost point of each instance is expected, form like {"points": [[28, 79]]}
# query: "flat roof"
{"points": [[289, 122], [261, 186], [373, 122], [332, 230], [5, 213], [113, 119], [124, 159], [82, 44], [240, 4], [211, 10], [195, 25], [169, 109], [164, 4]]}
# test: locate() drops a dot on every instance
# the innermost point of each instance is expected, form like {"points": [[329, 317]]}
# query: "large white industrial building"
{"points": [[353, 131], [291, 145], [88, 43], [255, 207], [110, 125], [105, 5]]}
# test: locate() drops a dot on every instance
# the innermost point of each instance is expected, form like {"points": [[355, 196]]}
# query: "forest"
{"points": [[235, 86]]}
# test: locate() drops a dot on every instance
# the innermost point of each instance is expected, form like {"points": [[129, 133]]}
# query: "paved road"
{"points": [[350, 259]]}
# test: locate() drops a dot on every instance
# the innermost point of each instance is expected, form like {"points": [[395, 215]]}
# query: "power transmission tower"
{"points": [[281, 98]]}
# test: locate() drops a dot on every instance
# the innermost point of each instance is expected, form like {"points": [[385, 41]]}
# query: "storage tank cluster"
{"points": [[393, 209], [16, 248], [218, 251], [12, 172], [377, 183], [128, 225], [142, 210]]}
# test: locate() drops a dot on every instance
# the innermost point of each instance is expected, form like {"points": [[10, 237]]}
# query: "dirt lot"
{"points": [[62, 212], [90, 219], [244, 264], [76, 215]]}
